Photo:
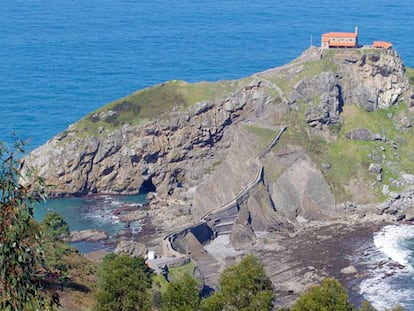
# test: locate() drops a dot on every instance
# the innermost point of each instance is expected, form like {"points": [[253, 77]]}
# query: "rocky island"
{"points": [[295, 164]]}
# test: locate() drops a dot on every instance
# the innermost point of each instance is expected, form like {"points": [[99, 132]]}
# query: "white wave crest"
{"points": [[385, 294], [390, 241], [389, 285]]}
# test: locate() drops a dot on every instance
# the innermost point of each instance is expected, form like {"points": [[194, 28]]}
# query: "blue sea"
{"points": [[60, 60]]}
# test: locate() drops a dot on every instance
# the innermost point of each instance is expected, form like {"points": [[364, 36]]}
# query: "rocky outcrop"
{"points": [[133, 216], [203, 154], [302, 194], [325, 86], [89, 235], [131, 248], [372, 79], [359, 134], [170, 154]]}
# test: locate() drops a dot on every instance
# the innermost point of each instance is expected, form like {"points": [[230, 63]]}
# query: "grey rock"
{"points": [[200, 107], [242, 236], [359, 134], [131, 248], [375, 168], [378, 137], [396, 183], [405, 120], [349, 270], [385, 190], [325, 166], [408, 178], [400, 217], [409, 214], [301, 190], [90, 235], [376, 156], [411, 100], [133, 216]]}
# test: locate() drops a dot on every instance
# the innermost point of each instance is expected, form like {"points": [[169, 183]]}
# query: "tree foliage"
{"points": [[124, 284], [244, 287], [181, 295], [329, 296], [23, 272], [55, 227]]}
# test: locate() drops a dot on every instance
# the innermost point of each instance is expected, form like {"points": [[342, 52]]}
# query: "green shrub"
{"points": [[124, 284], [329, 296], [243, 287], [55, 227], [181, 295]]}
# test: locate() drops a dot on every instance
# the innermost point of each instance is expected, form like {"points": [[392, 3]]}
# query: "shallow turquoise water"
{"points": [[91, 213]]}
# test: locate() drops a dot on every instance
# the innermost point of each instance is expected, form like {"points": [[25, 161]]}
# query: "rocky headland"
{"points": [[322, 144]]}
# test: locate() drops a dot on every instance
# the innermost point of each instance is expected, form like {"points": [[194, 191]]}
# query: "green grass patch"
{"points": [[283, 84], [264, 135], [310, 69], [149, 103], [350, 159], [313, 68], [410, 75]]}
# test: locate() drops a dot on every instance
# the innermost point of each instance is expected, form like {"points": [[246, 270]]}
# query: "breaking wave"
{"points": [[391, 278]]}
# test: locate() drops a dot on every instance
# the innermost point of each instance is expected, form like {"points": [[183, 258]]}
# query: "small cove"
{"points": [[97, 212]]}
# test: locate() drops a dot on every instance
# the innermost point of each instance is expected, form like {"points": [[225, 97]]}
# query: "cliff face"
{"points": [[200, 144], [172, 153]]}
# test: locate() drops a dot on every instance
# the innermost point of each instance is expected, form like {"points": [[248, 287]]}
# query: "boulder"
{"points": [[90, 235], [242, 236], [359, 134], [131, 248], [405, 120], [375, 168], [378, 137], [349, 270], [133, 216], [301, 190], [409, 214], [408, 178]]}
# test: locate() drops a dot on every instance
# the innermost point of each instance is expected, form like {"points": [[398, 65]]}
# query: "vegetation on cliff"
{"points": [[145, 105], [244, 286], [124, 284], [23, 270]]}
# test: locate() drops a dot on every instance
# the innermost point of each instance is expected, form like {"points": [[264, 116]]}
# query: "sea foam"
{"points": [[390, 240], [391, 273]]}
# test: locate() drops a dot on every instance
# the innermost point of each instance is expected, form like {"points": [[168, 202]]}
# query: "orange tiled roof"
{"points": [[382, 44], [340, 34]]}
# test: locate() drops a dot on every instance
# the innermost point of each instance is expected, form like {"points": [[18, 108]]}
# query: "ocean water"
{"points": [[93, 213], [60, 60]]}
